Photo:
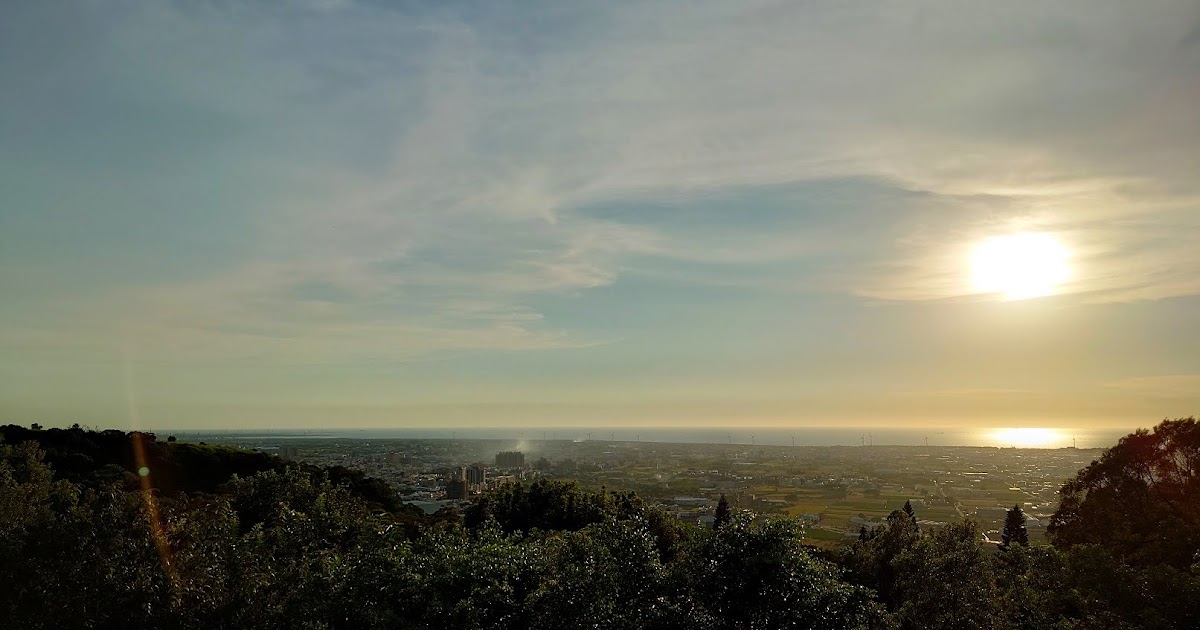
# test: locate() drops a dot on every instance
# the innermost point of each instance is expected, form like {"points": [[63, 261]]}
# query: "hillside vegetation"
{"points": [[216, 537]]}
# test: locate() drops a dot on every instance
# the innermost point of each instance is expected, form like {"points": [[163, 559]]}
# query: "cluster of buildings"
{"points": [[837, 489], [457, 484], [510, 459], [464, 481]]}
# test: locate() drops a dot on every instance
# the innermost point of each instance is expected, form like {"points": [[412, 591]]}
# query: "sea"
{"points": [[1001, 437]]}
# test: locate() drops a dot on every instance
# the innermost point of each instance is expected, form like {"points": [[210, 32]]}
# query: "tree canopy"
{"points": [[1140, 499], [294, 546]]}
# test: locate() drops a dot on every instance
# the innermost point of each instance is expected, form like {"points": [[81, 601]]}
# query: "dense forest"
{"points": [[122, 530]]}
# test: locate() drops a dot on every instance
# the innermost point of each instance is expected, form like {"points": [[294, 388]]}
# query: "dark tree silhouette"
{"points": [[723, 514], [1140, 500], [1014, 528], [912, 514]]}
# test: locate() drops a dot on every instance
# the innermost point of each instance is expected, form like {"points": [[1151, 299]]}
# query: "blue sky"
{"points": [[344, 213]]}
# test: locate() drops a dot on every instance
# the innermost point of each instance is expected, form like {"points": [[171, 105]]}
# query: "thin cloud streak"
{"points": [[432, 171]]}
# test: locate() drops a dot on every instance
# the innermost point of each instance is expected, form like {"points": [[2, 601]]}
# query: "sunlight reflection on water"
{"points": [[1035, 437]]}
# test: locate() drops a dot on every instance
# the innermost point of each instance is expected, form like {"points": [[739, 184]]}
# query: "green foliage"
{"points": [[606, 575], [964, 593], [1014, 531], [747, 575], [549, 505], [288, 546], [870, 561], [72, 557], [723, 515], [1140, 500], [543, 505], [1088, 587], [99, 458], [912, 514]]}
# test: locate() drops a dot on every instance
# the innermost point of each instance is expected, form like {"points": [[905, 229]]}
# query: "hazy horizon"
{"points": [[342, 213], [531, 439]]}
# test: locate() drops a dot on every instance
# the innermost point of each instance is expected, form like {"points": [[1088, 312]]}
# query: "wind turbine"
{"points": [[751, 438], [793, 440]]}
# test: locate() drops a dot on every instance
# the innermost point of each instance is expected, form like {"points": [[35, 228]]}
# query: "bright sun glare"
{"points": [[1021, 266], [1027, 437]]}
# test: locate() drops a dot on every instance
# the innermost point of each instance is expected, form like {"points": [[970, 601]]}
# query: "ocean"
{"points": [[1043, 437]]}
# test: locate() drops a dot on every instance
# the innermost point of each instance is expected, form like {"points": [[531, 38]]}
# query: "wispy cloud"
{"points": [[415, 179]]}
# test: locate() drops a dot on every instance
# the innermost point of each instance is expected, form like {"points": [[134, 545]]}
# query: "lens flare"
{"points": [[154, 520]]}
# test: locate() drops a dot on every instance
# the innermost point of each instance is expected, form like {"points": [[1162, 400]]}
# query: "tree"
{"points": [[760, 575], [1014, 528], [723, 514], [1140, 499], [547, 505], [870, 560], [946, 580], [70, 558], [912, 514], [607, 575]]}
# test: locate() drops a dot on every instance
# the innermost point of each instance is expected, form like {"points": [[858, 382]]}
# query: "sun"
{"points": [[1021, 266], [1025, 437]]}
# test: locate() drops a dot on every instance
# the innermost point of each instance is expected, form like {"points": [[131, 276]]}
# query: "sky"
{"points": [[332, 213]]}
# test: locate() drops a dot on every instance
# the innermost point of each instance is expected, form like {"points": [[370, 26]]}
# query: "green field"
{"points": [[942, 513], [836, 512]]}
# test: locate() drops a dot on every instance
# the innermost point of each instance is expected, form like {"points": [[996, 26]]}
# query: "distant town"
{"points": [[838, 491]]}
